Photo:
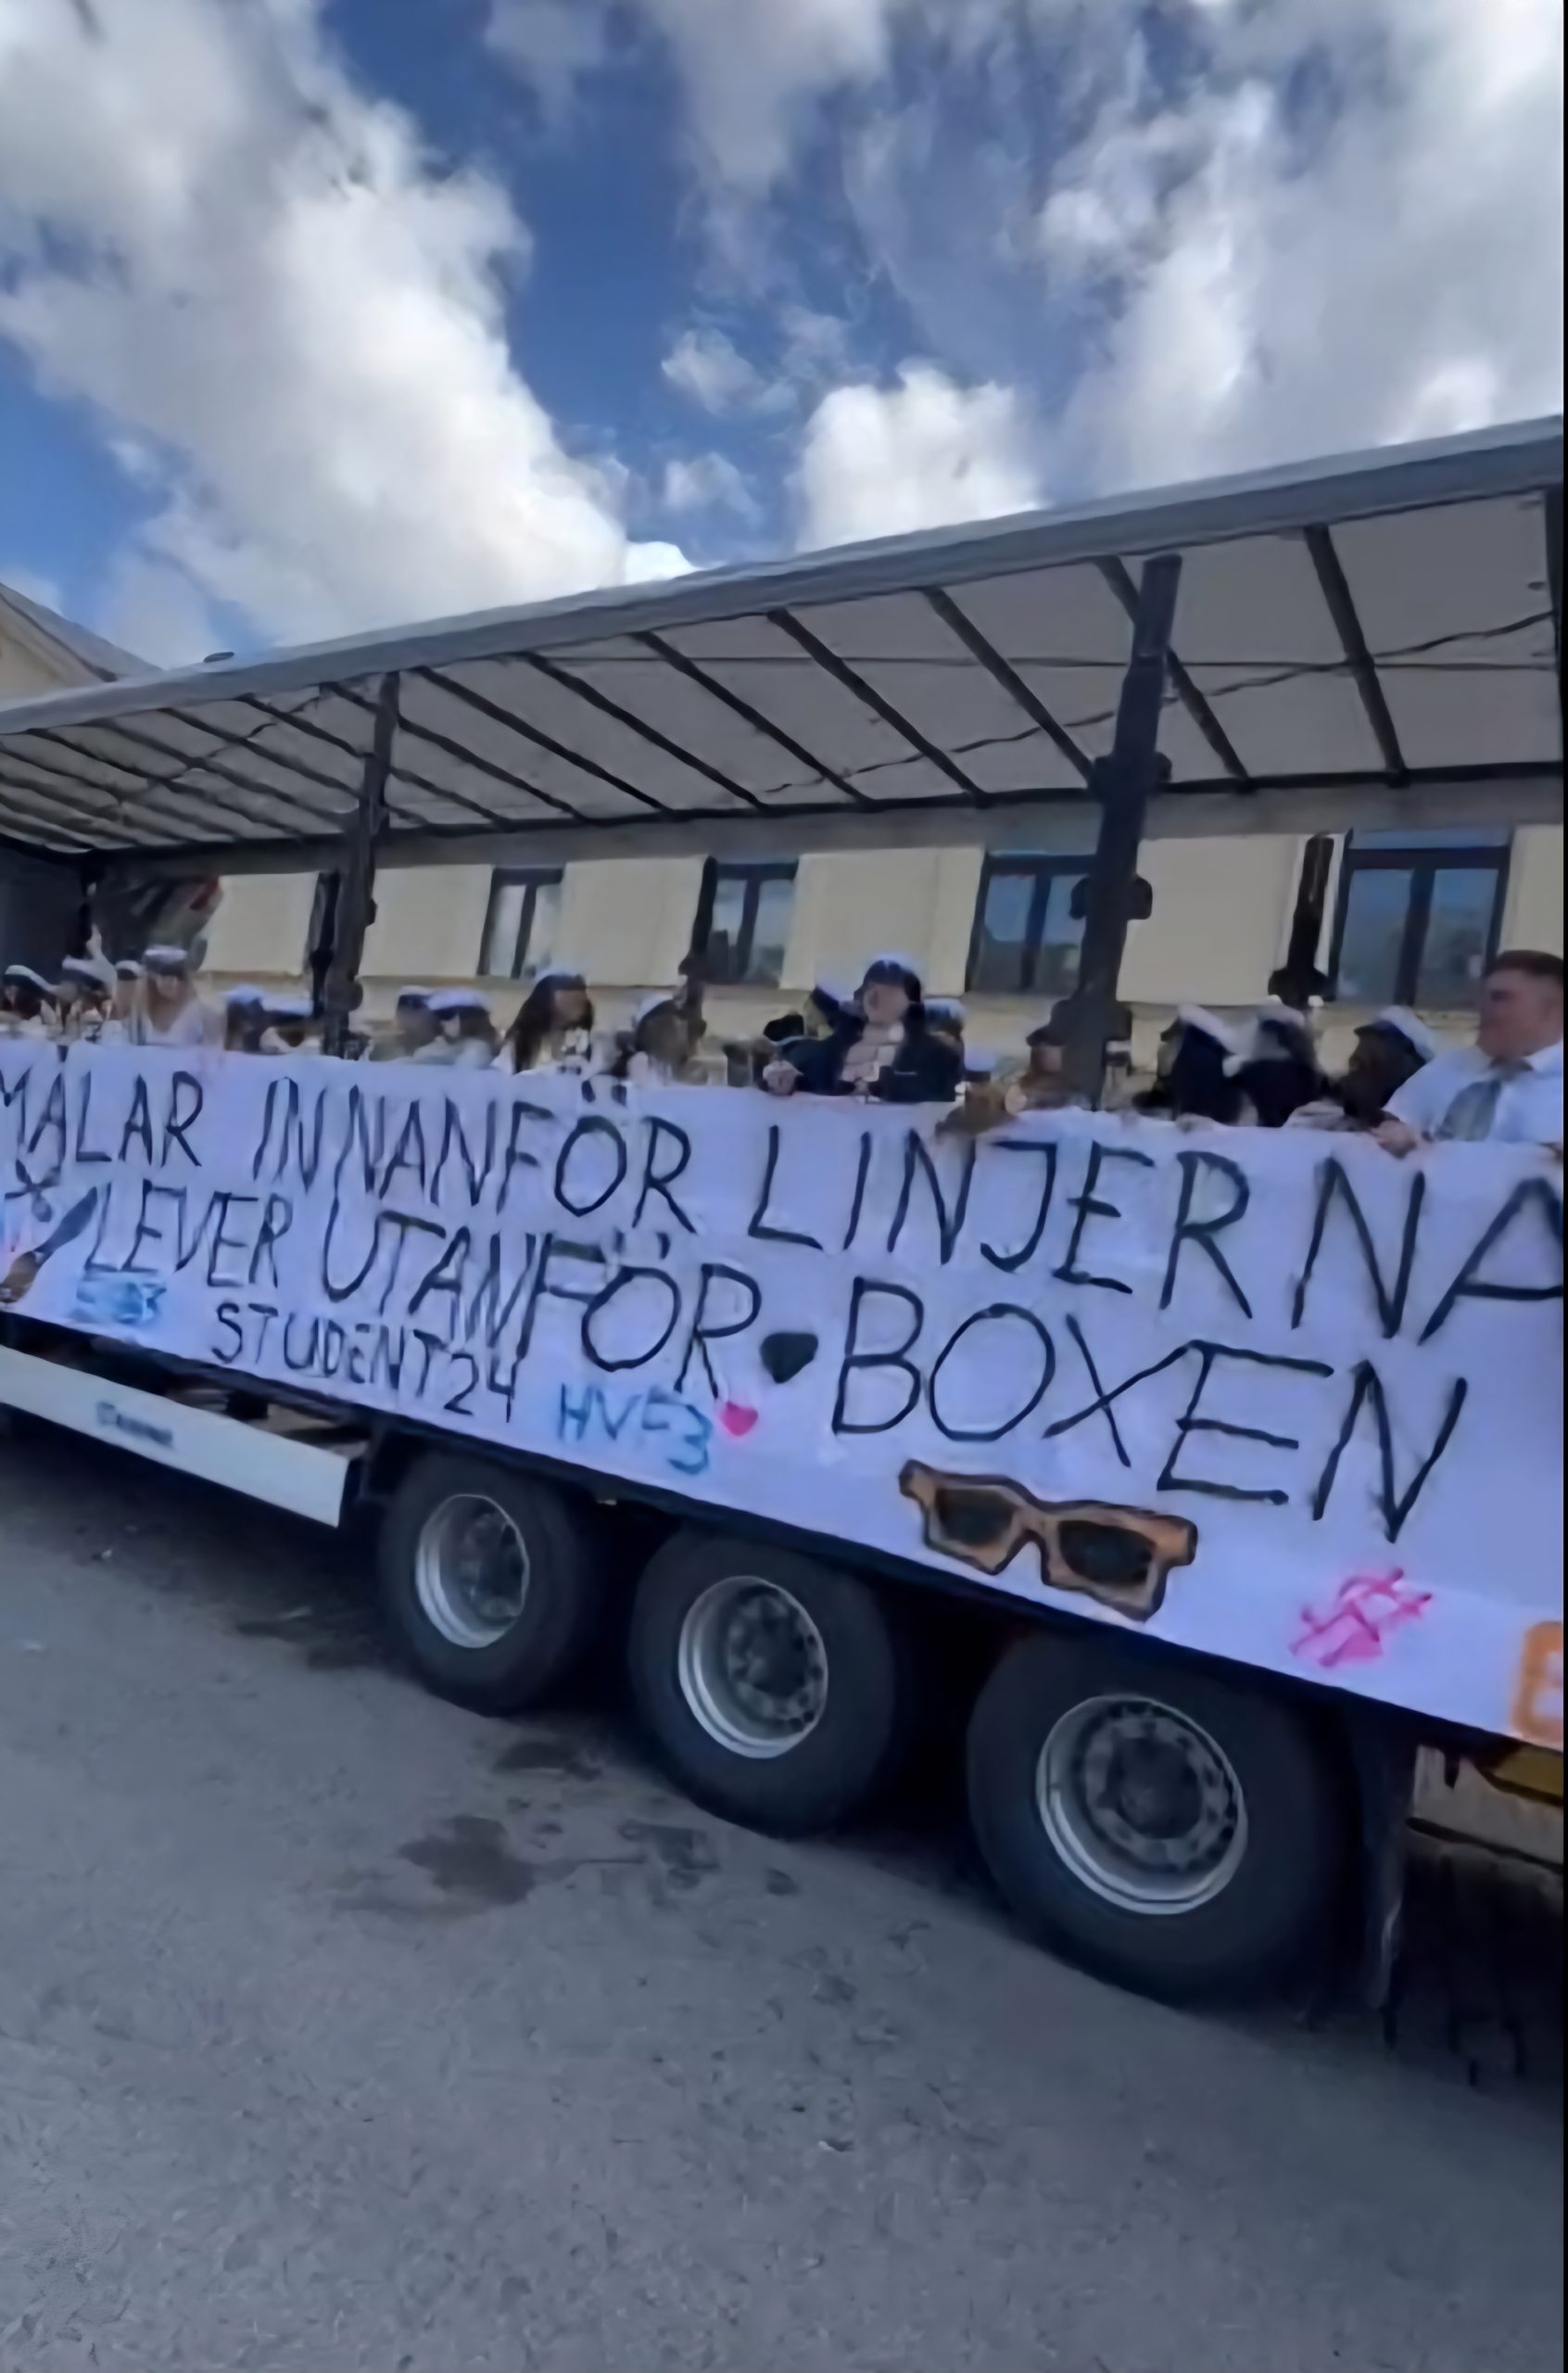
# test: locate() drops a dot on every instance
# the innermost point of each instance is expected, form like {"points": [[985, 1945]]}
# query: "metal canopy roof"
{"points": [[1379, 624]]}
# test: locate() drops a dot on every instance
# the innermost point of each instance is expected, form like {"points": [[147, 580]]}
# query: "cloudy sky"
{"points": [[316, 314]]}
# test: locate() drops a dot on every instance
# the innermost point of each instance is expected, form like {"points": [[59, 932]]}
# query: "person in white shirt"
{"points": [[166, 1011], [289, 1029], [553, 1031], [1507, 1087]]}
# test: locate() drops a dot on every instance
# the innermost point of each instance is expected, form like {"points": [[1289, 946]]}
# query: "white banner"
{"points": [[1277, 1397]]}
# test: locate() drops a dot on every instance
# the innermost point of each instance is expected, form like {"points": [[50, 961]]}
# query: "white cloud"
{"points": [[1394, 270], [551, 43], [710, 368], [750, 70], [707, 482], [926, 453], [251, 271], [754, 68]]}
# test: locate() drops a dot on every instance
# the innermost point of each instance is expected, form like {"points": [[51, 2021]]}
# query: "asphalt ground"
{"points": [[341, 2029]]}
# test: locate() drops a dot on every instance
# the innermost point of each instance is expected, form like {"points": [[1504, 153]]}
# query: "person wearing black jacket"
{"points": [[880, 1047]]}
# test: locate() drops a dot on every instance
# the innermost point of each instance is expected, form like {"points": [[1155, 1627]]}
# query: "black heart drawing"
{"points": [[784, 1356]]}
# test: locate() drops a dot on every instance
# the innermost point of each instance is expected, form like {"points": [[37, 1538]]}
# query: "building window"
{"points": [[1420, 916], [521, 923], [1027, 938], [743, 922]]}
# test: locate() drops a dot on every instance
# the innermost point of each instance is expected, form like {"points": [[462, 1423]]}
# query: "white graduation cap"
{"points": [[165, 958], [946, 1008], [96, 971], [414, 996], [244, 992], [456, 1001], [35, 979], [288, 1009], [652, 1003], [1208, 1025], [1408, 1026]]}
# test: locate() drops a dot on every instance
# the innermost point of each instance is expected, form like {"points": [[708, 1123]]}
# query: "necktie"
{"points": [[1473, 1114]]}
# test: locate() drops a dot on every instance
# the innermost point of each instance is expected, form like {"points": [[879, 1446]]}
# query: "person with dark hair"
{"points": [[1507, 1087], [1199, 1057], [1389, 1049], [658, 1047], [291, 1027], [1281, 1072], [87, 985], [413, 1027], [466, 1037], [553, 1030], [26, 1004], [881, 1047], [245, 1019]]}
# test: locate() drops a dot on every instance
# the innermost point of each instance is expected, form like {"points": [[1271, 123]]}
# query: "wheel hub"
{"points": [[471, 1571], [1143, 1805], [752, 1667]]}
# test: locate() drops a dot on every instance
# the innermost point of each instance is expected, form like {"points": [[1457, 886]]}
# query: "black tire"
{"points": [[1271, 1917], [826, 1775], [561, 1602]]}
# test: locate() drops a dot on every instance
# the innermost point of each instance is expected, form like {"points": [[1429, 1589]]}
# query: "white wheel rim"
{"points": [[1142, 1805], [471, 1571], [752, 1667]]}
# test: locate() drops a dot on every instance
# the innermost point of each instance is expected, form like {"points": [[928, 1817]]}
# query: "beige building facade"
{"points": [[1408, 923]]}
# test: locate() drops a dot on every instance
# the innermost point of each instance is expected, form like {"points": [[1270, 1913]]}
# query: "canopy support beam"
{"points": [[1125, 782], [356, 898]]}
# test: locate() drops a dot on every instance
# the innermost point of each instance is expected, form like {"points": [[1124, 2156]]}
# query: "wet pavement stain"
{"points": [[469, 1856], [559, 1758], [687, 1856]]}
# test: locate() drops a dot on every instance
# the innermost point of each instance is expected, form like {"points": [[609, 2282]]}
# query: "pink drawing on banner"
{"points": [[737, 1419], [1354, 1629]]}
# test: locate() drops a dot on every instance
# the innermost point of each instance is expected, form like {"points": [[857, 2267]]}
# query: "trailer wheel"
{"points": [[1157, 1824], [772, 1685], [490, 1581]]}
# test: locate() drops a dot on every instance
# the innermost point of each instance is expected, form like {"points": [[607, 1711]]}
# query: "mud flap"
{"points": [[1384, 1760]]}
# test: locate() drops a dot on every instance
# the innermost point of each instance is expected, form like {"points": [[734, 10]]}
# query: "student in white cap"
{"points": [[553, 1030], [289, 1027], [465, 1038], [166, 1011], [1506, 1088], [658, 1048], [1199, 1057], [414, 1026], [87, 985], [881, 1047], [1388, 1051], [244, 1019], [26, 1004]]}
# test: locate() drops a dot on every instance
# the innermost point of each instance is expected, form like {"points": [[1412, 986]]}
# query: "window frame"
{"points": [[754, 873], [1045, 872], [531, 880], [1423, 865]]}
